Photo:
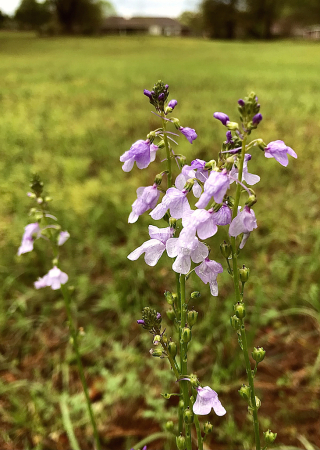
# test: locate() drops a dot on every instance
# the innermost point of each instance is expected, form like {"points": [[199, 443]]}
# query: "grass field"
{"points": [[69, 108]]}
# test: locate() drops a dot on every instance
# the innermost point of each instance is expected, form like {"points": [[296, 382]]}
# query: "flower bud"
{"points": [[210, 165], [181, 442], [269, 437], [173, 223], [252, 199], [168, 297], [235, 323], [225, 249], [258, 354], [208, 428], [172, 349], [186, 334], [188, 416], [244, 273], [151, 136], [156, 352], [168, 109], [245, 391], [192, 317], [194, 380], [176, 122], [181, 404], [156, 339], [229, 163], [171, 314], [258, 402], [161, 144], [181, 160], [240, 310], [158, 179], [169, 426], [195, 294], [189, 184], [232, 126]]}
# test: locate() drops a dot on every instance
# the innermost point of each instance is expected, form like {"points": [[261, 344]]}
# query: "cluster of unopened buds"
{"points": [[188, 226]]}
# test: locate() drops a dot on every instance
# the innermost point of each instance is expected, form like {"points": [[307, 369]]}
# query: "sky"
{"points": [[128, 8]]}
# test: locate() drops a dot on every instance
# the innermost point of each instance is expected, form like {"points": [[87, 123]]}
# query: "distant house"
{"points": [[312, 32], [156, 26]]}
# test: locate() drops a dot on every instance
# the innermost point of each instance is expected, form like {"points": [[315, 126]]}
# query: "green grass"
{"points": [[69, 108]]}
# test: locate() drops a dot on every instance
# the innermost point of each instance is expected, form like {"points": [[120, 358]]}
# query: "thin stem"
{"points": [[239, 299], [197, 423], [166, 143], [183, 357], [75, 344]]}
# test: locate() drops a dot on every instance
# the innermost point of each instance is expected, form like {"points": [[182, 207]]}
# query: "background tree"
{"points": [[220, 18], [32, 15], [192, 20]]}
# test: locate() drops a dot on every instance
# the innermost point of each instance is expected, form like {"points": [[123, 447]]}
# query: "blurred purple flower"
{"points": [[147, 199], [147, 93], [241, 102], [244, 222], [63, 237], [208, 272], [153, 248], [174, 200], [189, 133], [140, 322], [54, 279], [201, 172], [222, 117], [249, 178], [229, 137], [207, 399], [31, 232], [139, 153], [279, 151], [257, 119], [216, 186], [185, 249], [172, 104]]}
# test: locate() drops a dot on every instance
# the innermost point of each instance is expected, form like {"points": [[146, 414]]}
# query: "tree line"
{"points": [[230, 19]]}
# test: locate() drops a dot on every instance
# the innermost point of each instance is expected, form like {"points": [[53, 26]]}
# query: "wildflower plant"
{"points": [[45, 226], [221, 191]]}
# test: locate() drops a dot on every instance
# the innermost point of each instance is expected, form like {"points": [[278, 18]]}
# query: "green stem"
{"points": [[197, 424], [183, 357], [166, 143], [74, 336], [239, 299]]}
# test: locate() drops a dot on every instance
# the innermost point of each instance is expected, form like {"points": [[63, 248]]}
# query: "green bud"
{"points": [[269, 437], [252, 199], [39, 200], [194, 380], [158, 179], [240, 310], [31, 195], [188, 416], [244, 273], [172, 349], [169, 426], [156, 352], [168, 109], [156, 339], [176, 122], [151, 136], [232, 126], [195, 294], [186, 334], [189, 184], [173, 223], [181, 404], [245, 391], [225, 249], [192, 317], [210, 165], [258, 402], [181, 160], [48, 199], [168, 297], [55, 262], [208, 428], [161, 144], [229, 162], [171, 314], [235, 322], [258, 354], [181, 442]]}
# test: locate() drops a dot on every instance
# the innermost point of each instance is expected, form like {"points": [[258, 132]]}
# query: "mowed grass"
{"points": [[69, 108]]}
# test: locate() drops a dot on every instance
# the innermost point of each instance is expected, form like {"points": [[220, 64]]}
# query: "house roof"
{"points": [[138, 23]]}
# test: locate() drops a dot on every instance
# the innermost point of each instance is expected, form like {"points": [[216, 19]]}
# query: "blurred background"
{"points": [[72, 74]]}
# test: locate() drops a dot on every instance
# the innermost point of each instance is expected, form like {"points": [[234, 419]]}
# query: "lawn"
{"points": [[69, 108]]}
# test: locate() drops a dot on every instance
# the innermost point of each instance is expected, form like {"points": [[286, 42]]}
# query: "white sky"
{"points": [[165, 8]]}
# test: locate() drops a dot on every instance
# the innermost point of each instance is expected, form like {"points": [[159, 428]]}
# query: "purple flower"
{"points": [[140, 322], [244, 222], [208, 272], [147, 93], [249, 178], [153, 248], [174, 200], [186, 173], [31, 232], [172, 104], [153, 151], [222, 117], [186, 249], [207, 399], [201, 172], [147, 199], [229, 137], [241, 102], [63, 237], [161, 96], [54, 279], [189, 133], [201, 222], [139, 153], [216, 186], [223, 216], [257, 119], [279, 151]]}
